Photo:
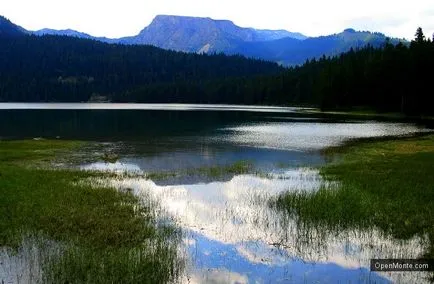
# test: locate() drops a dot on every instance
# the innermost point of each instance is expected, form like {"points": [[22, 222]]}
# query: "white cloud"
{"points": [[236, 213], [121, 18], [217, 276]]}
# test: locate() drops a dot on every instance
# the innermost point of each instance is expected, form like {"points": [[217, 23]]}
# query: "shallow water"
{"points": [[231, 234], [312, 136]]}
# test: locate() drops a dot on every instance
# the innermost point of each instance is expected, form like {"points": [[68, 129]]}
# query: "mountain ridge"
{"points": [[288, 51], [193, 34], [207, 35], [7, 28]]}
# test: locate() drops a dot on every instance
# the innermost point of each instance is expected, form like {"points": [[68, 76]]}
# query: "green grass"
{"points": [[384, 184], [108, 236], [237, 168], [34, 151]]}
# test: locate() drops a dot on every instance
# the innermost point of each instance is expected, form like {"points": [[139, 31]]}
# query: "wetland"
{"points": [[221, 194]]}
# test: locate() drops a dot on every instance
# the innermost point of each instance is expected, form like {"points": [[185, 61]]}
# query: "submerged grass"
{"points": [[384, 184], [237, 168], [107, 235]]}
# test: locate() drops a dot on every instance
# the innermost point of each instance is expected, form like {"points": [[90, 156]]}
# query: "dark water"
{"points": [[231, 235]]}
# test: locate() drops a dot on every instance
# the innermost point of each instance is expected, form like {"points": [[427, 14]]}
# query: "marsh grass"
{"points": [[107, 236], [237, 168], [385, 184], [110, 157], [115, 265]]}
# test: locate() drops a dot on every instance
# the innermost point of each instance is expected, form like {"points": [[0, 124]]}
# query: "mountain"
{"points": [[205, 35], [188, 34], [266, 35], [7, 28], [72, 33], [202, 35], [72, 69], [289, 51], [67, 32]]}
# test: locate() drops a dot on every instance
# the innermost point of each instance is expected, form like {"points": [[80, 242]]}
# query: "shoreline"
{"points": [[382, 183], [100, 234]]}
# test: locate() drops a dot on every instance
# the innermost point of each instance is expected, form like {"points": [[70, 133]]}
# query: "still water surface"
{"points": [[231, 235]]}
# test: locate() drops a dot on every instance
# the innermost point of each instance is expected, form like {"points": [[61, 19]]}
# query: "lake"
{"points": [[230, 234]]}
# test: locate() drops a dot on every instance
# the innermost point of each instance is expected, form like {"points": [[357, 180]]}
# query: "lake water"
{"points": [[230, 233]]}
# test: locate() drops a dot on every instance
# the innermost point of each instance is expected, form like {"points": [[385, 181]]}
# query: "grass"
{"points": [[384, 184], [34, 151], [107, 236], [237, 168]]}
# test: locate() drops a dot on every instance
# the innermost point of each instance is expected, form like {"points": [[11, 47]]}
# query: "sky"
{"points": [[114, 18]]}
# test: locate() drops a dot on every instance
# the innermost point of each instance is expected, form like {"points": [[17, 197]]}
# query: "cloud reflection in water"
{"points": [[231, 227]]}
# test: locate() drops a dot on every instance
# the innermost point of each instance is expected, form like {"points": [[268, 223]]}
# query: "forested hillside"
{"points": [[205, 35], [292, 52], [55, 68], [9, 29], [60, 68], [395, 78]]}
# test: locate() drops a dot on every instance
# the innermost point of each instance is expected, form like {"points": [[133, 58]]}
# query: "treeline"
{"points": [[394, 78], [67, 69]]}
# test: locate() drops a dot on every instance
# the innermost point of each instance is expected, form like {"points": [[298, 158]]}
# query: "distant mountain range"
{"points": [[289, 51], [205, 35], [73, 33]]}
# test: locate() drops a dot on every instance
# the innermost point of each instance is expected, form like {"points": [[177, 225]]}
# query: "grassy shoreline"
{"points": [[106, 236], [386, 184]]}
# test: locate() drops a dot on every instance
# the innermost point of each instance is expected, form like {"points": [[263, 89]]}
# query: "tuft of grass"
{"points": [[110, 158], [108, 236], [115, 265], [35, 151], [237, 168], [384, 184]]}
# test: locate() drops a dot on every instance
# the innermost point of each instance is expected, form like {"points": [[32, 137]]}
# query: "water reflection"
{"points": [[233, 234], [177, 156], [130, 122], [117, 167], [136, 106], [312, 136], [216, 257]]}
